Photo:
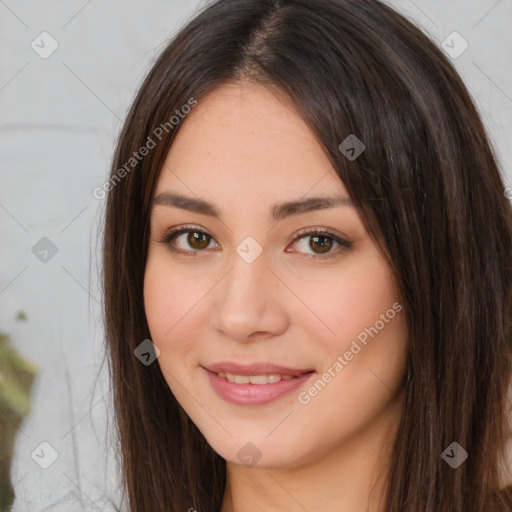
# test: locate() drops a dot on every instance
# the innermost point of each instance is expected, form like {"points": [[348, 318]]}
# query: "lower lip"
{"points": [[254, 394]]}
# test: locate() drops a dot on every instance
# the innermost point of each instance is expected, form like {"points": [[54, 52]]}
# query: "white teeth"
{"points": [[258, 379], [254, 379]]}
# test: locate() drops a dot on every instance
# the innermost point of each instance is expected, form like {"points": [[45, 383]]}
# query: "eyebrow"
{"points": [[278, 211]]}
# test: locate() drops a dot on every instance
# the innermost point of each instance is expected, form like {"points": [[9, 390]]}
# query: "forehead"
{"points": [[246, 139]]}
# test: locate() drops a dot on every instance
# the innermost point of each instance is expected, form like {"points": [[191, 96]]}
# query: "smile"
{"points": [[254, 379], [255, 384]]}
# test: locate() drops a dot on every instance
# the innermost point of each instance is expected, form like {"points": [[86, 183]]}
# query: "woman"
{"points": [[307, 271]]}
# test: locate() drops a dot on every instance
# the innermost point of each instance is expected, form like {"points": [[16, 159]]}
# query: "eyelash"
{"points": [[168, 238]]}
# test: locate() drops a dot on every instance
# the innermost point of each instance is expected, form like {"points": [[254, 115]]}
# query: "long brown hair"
{"points": [[430, 193]]}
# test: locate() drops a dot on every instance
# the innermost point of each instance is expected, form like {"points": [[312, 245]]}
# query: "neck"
{"points": [[351, 477]]}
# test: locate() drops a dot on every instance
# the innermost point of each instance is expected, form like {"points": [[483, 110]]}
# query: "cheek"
{"points": [[168, 303], [364, 359], [175, 303], [168, 299], [158, 304], [351, 304]]}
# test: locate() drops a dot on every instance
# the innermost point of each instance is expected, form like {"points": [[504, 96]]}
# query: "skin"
{"points": [[244, 148]]}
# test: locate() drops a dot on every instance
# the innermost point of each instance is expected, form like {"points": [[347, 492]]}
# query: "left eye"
{"points": [[320, 242]]}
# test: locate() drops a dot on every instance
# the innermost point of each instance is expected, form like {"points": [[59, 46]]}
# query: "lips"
{"points": [[255, 369], [270, 378], [256, 383]]}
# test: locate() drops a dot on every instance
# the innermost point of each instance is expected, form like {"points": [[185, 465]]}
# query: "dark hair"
{"points": [[429, 192]]}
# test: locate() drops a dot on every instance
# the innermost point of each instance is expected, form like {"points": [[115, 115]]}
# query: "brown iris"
{"points": [[201, 239], [323, 246]]}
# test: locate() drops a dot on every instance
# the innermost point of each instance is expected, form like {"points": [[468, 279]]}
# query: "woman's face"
{"points": [[282, 345]]}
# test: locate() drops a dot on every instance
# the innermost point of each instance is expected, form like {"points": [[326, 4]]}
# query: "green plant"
{"points": [[16, 379]]}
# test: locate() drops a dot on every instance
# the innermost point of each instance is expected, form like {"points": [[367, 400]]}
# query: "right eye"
{"points": [[196, 239]]}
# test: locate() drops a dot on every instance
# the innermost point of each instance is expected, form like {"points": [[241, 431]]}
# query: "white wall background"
{"points": [[59, 119]]}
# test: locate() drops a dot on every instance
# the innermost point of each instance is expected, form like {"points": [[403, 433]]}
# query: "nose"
{"points": [[250, 302]]}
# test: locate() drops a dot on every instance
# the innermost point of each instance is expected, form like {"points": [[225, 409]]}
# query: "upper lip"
{"points": [[254, 369]]}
